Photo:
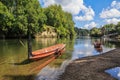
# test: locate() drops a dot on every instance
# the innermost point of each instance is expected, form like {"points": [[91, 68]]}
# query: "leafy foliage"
{"points": [[118, 27], [61, 20], [95, 32], [6, 19], [19, 15], [81, 32], [106, 30]]}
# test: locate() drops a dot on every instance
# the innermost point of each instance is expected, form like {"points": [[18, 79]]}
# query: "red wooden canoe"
{"points": [[47, 51]]}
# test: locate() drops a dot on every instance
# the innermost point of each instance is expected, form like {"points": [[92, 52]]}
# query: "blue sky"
{"points": [[89, 13]]}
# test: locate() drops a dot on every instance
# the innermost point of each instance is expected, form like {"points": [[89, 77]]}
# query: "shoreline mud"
{"points": [[92, 67]]}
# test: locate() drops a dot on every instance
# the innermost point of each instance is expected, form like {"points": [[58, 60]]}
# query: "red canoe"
{"points": [[47, 51]]}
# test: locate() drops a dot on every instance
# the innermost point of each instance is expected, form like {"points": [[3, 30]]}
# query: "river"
{"points": [[15, 66]]}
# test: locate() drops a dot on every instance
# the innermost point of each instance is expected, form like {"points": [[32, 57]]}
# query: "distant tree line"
{"points": [[17, 16], [105, 30], [81, 32]]}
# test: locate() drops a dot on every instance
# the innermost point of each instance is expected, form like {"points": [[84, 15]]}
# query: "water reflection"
{"points": [[52, 73], [115, 72], [13, 57], [54, 69], [44, 42], [84, 47]]}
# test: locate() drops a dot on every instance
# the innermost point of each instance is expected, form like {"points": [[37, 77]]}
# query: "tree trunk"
{"points": [[29, 43]]}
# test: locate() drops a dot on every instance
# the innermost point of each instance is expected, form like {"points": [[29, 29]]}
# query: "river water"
{"points": [[15, 66]]}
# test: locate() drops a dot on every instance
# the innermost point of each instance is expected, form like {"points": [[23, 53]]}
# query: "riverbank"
{"points": [[92, 67]]}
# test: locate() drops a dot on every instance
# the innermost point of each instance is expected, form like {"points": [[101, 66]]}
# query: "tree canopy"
{"points": [[19, 15], [106, 30], [59, 19], [81, 32]]}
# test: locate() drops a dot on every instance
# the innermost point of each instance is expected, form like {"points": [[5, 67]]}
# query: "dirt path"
{"points": [[93, 67]]}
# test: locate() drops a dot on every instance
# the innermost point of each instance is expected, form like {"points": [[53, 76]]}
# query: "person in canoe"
{"points": [[98, 46]]}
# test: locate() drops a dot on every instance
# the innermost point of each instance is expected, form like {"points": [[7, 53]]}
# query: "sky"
{"points": [[89, 13]]}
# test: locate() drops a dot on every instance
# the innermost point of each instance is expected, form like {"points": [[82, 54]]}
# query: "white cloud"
{"points": [[71, 6], [74, 7], [113, 20], [111, 12], [89, 14], [47, 2], [115, 4], [90, 25]]}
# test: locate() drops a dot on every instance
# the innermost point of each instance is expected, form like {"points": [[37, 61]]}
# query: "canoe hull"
{"points": [[42, 53]]}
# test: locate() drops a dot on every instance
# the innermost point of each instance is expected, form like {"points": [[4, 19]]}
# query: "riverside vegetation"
{"points": [[17, 15]]}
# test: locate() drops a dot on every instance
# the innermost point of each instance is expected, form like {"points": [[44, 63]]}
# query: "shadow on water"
{"points": [[33, 68], [38, 68], [27, 61], [20, 77]]}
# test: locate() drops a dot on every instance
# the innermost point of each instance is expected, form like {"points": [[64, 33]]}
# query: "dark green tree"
{"points": [[81, 32], [118, 27], [32, 11], [96, 32], [6, 19], [62, 21]]}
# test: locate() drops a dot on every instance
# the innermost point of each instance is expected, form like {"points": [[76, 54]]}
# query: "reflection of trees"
{"points": [[69, 43], [46, 41], [104, 42], [39, 43], [108, 44], [15, 53], [12, 47], [93, 39], [115, 43]]}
